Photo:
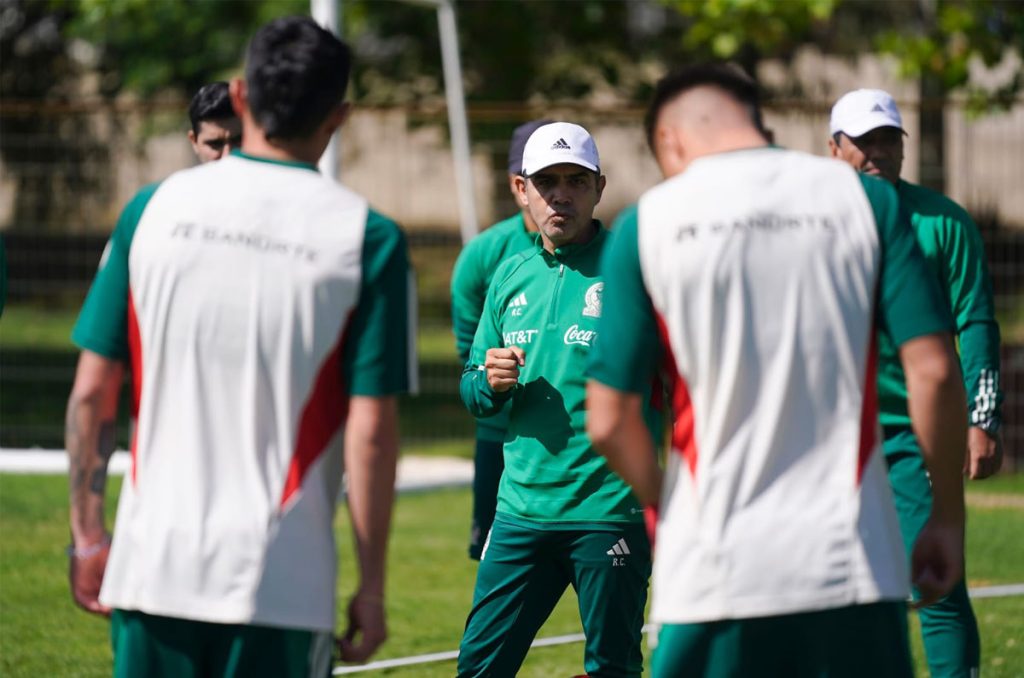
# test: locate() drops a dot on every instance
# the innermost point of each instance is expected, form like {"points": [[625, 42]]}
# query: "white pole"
{"points": [[457, 124], [327, 14]]}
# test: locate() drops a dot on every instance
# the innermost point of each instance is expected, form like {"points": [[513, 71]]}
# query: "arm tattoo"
{"points": [[72, 440], [107, 442]]}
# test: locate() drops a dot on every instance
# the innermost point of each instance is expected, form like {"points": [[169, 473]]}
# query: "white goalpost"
{"points": [[328, 14]]}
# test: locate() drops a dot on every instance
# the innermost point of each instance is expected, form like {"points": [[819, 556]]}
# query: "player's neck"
{"points": [[302, 150]]}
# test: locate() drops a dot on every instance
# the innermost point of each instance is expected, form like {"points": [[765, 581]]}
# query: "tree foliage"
{"points": [[747, 30], [929, 38], [940, 38], [149, 45]]}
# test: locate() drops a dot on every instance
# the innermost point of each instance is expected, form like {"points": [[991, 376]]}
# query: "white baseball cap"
{"points": [[557, 143], [862, 110]]}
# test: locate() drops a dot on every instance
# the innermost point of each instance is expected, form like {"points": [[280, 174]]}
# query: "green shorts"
{"points": [[847, 642], [524, 570], [152, 646]]}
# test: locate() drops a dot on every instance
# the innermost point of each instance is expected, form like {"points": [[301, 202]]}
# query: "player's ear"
{"points": [[337, 117], [239, 96], [670, 150]]}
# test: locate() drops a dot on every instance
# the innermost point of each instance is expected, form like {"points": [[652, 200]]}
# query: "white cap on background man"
{"points": [[862, 110], [557, 143]]}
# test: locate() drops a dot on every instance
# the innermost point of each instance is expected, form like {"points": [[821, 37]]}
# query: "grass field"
{"points": [[429, 584], [31, 326]]}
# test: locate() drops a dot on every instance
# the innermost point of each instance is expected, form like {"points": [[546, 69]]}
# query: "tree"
{"points": [[42, 151], [932, 40], [178, 45]]}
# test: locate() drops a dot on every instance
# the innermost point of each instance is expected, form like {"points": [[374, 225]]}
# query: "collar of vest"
{"points": [[237, 152]]}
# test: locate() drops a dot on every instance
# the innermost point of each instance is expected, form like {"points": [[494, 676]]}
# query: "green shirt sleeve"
{"points": [[909, 300], [102, 325], [625, 352], [478, 396], [469, 287], [970, 298], [379, 356]]}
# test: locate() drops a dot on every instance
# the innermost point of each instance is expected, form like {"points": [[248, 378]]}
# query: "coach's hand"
{"points": [[365, 620], [984, 453], [937, 563], [502, 366], [88, 562]]}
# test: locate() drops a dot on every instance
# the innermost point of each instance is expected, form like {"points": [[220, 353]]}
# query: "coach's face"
{"points": [[878, 152], [561, 200]]}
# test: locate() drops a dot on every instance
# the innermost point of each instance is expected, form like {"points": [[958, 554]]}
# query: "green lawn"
{"points": [[31, 326], [40, 327], [429, 585]]}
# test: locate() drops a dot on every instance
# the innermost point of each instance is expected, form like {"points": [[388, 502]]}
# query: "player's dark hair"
{"points": [[720, 75], [211, 102], [296, 73]]}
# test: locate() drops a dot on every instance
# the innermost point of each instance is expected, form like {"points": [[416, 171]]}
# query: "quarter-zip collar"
{"points": [[570, 251]]}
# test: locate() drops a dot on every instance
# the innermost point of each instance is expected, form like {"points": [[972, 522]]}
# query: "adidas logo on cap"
{"points": [[560, 143], [862, 110]]}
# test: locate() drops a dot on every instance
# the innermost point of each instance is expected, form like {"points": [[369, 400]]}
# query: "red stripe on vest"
{"points": [[135, 353], [684, 438], [869, 409], [321, 418]]}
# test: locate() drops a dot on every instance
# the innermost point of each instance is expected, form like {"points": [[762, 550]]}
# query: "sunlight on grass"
{"points": [[430, 583]]}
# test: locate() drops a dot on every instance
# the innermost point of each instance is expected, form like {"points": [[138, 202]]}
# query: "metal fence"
{"points": [[62, 184]]}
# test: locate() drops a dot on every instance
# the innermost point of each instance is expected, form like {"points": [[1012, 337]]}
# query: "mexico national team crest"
{"points": [[592, 299]]}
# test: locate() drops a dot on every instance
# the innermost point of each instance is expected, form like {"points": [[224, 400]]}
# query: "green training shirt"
{"points": [[955, 256], [471, 277], [548, 305]]}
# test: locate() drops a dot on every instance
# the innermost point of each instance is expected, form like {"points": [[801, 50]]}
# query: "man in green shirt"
{"points": [[867, 132], [563, 517], [470, 279]]}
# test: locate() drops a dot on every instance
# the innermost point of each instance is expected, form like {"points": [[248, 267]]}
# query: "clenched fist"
{"points": [[502, 365]]}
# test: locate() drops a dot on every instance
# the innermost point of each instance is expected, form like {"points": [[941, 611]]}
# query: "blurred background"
{"points": [[93, 98]]}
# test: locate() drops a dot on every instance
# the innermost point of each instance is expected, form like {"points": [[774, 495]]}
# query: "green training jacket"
{"points": [[471, 277], [955, 254], [548, 305]]}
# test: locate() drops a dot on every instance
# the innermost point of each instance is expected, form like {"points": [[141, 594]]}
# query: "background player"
{"points": [[563, 517], [264, 312], [215, 127], [778, 550], [867, 132], [471, 277]]}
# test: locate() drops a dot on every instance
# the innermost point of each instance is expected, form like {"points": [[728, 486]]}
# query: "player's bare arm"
{"points": [[90, 440], [616, 427], [371, 456], [984, 453], [502, 365], [937, 404]]}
